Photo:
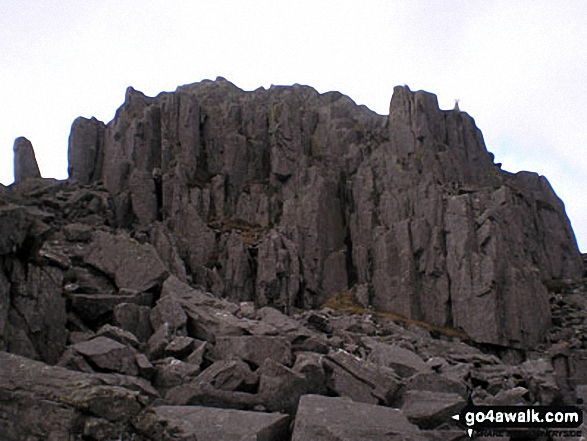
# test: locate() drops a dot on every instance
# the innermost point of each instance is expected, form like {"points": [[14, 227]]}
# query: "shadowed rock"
{"points": [[185, 423], [85, 155], [45, 402], [325, 418], [25, 162]]}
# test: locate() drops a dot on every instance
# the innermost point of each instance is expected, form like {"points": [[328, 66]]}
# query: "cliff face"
{"points": [[286, 196]]}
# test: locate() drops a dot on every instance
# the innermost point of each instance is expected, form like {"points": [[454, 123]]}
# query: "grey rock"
{"points": [[168, 310], [185, 423], [119, 335], [230, 375], [283, 323], [25, 163], [159, 341], [403, 361], [310, 365], [278, 272], [98, 308], [16, 225], [280, 387], [73, 360], [201, 393], [85, 155], [541, 380], [88, 281], [180, 347], [325, 418], [254, 349], [359, 380], [35, 322], [171, 372], [434, 382], [318, 344], [52, 401], [133, 318], [431, 409], [166, 246], [197, 356], [146, 369], [108, 355], [512, 397], [77, 232], [133, 266]]}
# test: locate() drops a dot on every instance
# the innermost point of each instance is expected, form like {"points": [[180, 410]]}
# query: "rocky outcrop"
{"points": [[138, 299], [285, 197], [25, 162]]}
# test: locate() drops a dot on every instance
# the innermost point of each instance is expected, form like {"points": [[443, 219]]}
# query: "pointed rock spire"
{"points": [[25, 163]]}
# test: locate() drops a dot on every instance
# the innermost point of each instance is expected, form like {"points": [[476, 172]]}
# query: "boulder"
{"points": [[133, 266], [326, 418], [45, 402], [253, 349], [108, 355], [180, 347], [168, 310], [431, 409], [171, 372], [310, 365], [118, 334], [284, 324], [230, 375], [185, 423], [403, 361], [280, 387], [133, 318], [361, 381]]}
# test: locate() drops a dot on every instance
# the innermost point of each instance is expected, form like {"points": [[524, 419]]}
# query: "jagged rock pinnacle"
{"points": [[25, 162]]}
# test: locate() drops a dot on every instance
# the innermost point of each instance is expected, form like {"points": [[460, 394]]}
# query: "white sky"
{"points": [[518, 66]]}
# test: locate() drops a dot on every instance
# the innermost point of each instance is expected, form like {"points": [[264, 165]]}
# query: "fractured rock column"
{"points": [[86, 144], [25, 162]]}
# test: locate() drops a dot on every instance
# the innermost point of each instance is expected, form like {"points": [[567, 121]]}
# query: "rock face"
{"points": [[25, 162], [160, 293], [286, 196]]}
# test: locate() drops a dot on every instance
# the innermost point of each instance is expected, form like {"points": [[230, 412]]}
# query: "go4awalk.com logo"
{"points": [[498, 419]]}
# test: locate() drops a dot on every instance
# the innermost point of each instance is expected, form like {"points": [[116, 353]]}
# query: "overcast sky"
{"points": [[517, 66]]}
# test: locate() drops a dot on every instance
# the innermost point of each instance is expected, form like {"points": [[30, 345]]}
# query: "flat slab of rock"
{"points": [[326, 419], [211, 424], [108, 355], [38, 401], [431, 409], [134, 266]]}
